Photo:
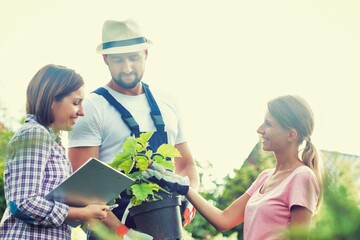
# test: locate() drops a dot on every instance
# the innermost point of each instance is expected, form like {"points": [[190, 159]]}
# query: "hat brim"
{"points": [[123, 49]]}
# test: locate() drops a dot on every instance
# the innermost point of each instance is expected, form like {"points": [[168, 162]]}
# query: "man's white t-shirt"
{"points": [[102, 124]]}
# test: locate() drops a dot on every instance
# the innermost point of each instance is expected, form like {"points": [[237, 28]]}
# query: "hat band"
{"points": [[123, 43]]}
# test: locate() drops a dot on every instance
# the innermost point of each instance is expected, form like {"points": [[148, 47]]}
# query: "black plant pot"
{"points": [[160, 219]]}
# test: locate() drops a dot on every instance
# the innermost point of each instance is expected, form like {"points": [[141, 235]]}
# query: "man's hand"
{"points": [[188, 211]]}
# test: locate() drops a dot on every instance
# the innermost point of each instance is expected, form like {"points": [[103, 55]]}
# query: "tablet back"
{"points": [[93, 182]]}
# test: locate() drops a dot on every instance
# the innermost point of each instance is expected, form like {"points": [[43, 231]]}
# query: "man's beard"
{"points": [[127, 85]]}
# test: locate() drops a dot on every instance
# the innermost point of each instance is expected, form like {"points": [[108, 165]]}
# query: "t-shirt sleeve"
{"points": [[304, 190], [181, 136], [172, 105]]}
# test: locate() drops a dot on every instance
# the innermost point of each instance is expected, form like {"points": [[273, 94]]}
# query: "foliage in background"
{"points": [[223, 194], [5, 136], [339, 217], [343, 169]]}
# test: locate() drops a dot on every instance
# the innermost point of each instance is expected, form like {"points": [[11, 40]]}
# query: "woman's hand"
{"points": [[167, 179], [90, 212], [96, 211]]}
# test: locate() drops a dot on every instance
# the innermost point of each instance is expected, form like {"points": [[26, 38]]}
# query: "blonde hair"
{"points": [[293, 112]]}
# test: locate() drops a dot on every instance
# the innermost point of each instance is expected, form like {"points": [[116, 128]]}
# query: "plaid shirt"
{"points": [[35, 164]]}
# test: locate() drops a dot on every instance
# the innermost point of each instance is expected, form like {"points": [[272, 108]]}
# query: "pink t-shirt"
{"points": [[269, 212]]}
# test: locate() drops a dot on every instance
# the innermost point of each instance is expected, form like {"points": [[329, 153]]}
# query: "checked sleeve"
{"points": [[34, 166]]}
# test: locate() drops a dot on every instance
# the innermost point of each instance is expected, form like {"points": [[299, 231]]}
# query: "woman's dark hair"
{"points": [[51, 83]]}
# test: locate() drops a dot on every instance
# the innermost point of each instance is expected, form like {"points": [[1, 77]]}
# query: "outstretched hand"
{"points": [[167, 179]]}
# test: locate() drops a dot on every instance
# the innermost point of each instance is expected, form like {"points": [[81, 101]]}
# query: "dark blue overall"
{"points": [[159, 137]]}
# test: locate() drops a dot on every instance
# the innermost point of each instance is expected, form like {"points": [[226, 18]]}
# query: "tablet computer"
{"points": [[93, 182]]}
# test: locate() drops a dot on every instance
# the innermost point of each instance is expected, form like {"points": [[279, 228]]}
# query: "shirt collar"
{"points": [[30, 118]]}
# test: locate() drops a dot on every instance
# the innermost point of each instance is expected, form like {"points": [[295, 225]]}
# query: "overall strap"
{"points": [[128, 119], [155, 110]]}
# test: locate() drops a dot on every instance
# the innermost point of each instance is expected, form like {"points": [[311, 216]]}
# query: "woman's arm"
{"points": [[221, 220], [300, 218]]}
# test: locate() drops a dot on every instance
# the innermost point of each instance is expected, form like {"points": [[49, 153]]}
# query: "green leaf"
{"points": [[158, 157], [155, 187], [135, 175], [142, 191], [168, 150], [149, 153], [140, 148], [129, 145], [144, 138], [120, 158], [126, 166], [142, 163], [169, 165]]}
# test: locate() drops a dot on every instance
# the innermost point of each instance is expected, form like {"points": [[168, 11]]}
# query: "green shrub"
{"points": [[5, 136]]}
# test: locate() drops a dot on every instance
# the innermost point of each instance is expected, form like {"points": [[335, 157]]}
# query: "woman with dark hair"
{"points": [[36, 161]]}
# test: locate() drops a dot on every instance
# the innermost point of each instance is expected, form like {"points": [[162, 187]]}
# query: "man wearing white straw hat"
{"points": [[101, 132]]}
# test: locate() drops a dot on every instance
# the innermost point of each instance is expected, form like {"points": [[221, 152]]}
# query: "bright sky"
{"points": [[222, 61]]}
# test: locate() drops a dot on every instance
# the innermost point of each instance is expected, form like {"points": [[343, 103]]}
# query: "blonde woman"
{"points": [[281, 198], [285, 196]]}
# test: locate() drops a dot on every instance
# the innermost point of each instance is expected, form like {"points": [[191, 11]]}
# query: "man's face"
{"points": [[126, 69]]}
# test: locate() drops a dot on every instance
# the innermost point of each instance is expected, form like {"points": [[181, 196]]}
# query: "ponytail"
{"points": [[311, 159]]}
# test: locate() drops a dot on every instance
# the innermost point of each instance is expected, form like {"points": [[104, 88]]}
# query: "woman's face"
{"points": [[275, 138], [67, 111]]}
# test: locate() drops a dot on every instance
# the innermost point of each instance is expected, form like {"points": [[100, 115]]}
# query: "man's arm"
{"points": [[185, 165], [79, 155]]}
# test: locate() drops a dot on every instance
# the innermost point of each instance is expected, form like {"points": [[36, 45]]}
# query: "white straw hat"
{"points": [[122, 37]]}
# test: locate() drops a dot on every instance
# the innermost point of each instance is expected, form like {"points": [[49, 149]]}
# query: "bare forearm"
{"points": [[211, 213], [79, 155], [221, 219], [76, 214]]}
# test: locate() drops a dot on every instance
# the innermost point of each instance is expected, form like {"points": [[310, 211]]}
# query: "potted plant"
{"points": [[155, 210]]}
